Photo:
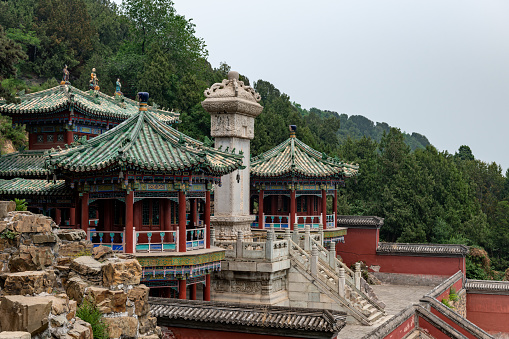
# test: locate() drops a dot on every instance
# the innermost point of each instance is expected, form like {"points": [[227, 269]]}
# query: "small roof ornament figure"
{"points": [[94, 81], [118, 87], [65, 77]]}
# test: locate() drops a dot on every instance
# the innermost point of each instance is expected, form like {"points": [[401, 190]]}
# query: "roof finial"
{"points": [[65, 77], [118, 88], [293, 129], [94, 81], [143, 97]]}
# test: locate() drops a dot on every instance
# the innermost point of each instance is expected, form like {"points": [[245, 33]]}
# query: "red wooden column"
{"points": [[69, 137], [182, 222], [129, 222], [206, 290], [72, 216], [324, 208], [84, 212], [58, 216], [207, 216], [293, 208], [182, 288], [193, 292], [31, 140], [261, 219]]}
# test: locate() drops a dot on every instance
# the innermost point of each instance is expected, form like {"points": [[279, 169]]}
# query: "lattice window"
{"points": [[60, 137], [155, 212], [49, 138], [76, 137], [145, 212], [315, 203], [40, 138]]}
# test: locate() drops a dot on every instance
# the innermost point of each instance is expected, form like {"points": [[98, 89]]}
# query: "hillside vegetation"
{"points": [[425, 195]]}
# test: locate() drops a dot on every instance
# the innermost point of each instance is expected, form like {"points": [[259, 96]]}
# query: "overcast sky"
{"points": [[436, 67]]}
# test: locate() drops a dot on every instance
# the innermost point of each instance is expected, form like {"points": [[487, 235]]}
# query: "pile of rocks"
{"points": [[112, 283], [46, 273]]}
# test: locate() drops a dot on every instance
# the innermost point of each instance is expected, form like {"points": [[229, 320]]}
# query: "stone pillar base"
{"points": [[261, 288], [228, 226]]}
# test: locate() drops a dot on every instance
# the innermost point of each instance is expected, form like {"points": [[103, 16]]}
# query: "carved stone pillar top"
{"points": [[233, 107]]}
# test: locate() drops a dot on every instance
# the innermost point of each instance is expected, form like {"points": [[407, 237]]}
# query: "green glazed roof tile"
{"points": [[34, 187], [143, 142], [293, 157], [65, 96], [26, 164]]}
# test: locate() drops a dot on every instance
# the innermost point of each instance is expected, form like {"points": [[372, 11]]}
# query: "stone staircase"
{"points": [[335, 280]]}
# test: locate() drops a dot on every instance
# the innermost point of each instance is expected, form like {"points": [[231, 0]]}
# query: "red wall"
{"points": [[403, 329], [189, 333], [361, 244], [453, 324], [489, 311], [431, 329]]}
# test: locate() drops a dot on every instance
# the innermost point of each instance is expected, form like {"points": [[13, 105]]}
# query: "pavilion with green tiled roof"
{"points": [[140, 175], [292, 181], [63, 114]]}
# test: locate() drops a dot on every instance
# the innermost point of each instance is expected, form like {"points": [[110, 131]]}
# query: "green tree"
{"points": [[10, 54]]}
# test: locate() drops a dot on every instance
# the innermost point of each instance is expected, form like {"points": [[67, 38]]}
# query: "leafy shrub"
{"points": [[21, 204], [8, 234], [88, 312], [445, 301], [452, 294]]}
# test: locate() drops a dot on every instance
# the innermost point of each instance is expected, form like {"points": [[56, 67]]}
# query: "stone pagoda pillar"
{"points": [[233, 108]]}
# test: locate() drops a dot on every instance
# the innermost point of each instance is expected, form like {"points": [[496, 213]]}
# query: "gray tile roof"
{"points": [[487, 286], [437, 250], [246, 316], [359, 221]]}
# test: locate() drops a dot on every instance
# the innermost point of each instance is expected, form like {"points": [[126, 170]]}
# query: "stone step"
{"points": [[375, 316]]}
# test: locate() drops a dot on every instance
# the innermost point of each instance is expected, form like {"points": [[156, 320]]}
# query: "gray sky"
{"points": [[436, 67]]}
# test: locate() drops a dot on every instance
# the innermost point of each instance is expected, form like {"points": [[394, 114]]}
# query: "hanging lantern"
{"points": [[120, 175], [238, 176]]}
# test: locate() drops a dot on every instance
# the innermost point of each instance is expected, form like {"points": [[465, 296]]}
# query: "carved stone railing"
{"points": [[270, 249]]}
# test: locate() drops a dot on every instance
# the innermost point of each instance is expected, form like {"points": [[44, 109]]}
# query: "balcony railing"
{"points": [[283, 221], [157, 241], [195, 238], [149, 241], [313, 221], [113, 239]]}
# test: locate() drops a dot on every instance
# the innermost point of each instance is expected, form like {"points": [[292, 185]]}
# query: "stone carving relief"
{"points": [[247, 287], [221, 285], [232, 125]]}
